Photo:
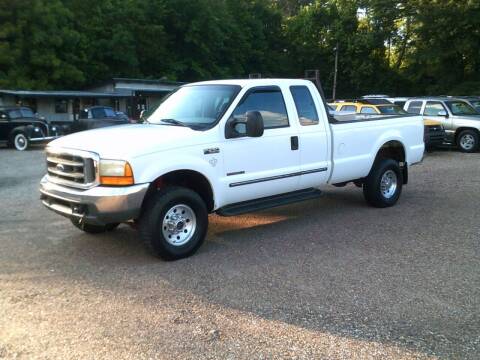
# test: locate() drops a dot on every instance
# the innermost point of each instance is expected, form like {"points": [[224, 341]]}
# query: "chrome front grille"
{"points": [[72, 168]]}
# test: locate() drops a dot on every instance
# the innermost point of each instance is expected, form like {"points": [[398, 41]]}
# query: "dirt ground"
{"points": [[327, 279]]}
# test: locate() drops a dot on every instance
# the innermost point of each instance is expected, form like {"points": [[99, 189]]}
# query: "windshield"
{"points": [[476, 104], [461, 108], [391, 109], [196, 106], [21, 113]]}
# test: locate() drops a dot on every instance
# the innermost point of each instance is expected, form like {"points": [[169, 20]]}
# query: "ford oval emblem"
{"points": [[60, 167]]}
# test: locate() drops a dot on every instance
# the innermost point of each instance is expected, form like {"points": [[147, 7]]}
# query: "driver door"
{"points": [[433, 111], [267, 165]]}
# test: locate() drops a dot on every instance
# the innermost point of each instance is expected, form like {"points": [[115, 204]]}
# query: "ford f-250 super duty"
{"points": [[225, 147]]}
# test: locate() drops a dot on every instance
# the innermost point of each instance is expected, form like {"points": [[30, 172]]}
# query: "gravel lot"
{"points": [[330, 278]]}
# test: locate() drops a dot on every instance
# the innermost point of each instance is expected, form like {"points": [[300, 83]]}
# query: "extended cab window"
{"points": [[433, 108], [306, 110], [269, 102], [367, 110], [414, 107]]}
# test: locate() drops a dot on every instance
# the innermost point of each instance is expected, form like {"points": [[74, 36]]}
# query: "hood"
{"points": [[129, 141]]}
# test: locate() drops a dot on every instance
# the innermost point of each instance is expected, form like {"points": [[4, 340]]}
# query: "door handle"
{"points": [[294, 142]]}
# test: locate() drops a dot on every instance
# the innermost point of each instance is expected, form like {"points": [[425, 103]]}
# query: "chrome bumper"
{"points": [[45, 138], [99, 205]]}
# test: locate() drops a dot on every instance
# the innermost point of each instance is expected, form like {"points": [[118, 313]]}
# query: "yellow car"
{"points": [[434, 133], [365, 107]]}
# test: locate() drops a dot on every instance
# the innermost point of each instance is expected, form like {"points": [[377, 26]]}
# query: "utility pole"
{"points": [[335, 73]]}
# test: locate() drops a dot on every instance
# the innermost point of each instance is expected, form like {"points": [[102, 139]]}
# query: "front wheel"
{"points": [[468, 141], [20, 141], [174, 223], [383, 186]]}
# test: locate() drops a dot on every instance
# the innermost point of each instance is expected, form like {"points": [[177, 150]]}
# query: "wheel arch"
{"points": [[393, 149], [191, 179], [459, 130]]}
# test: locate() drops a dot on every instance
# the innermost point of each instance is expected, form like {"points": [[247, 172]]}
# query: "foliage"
{"points": [[401, 47]]}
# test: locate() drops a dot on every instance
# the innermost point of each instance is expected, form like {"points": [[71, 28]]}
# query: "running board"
{"points": [[268, 202]]}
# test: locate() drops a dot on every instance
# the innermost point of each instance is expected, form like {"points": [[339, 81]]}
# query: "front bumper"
{"points": [[43, 139], [99, 205]]}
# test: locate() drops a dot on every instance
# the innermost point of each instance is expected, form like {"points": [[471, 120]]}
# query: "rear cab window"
{"points": [[306, 110]]}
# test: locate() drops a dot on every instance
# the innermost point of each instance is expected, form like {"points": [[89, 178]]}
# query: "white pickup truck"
{"points": [[225, 147]]}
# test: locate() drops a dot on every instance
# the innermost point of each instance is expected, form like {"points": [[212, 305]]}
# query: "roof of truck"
{"points": [[438, 98], [249, 82]]}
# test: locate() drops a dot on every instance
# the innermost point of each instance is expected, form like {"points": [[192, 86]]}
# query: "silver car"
{"points": [[460, 120]]}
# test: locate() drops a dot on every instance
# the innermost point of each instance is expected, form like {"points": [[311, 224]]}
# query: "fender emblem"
{"points": [[211, 151], [213, 162]]}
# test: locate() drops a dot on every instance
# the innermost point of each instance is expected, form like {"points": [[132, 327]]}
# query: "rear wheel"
{"points": [[468, 141], [383, 186], [20, 141], [174, 223], [93, 229]]}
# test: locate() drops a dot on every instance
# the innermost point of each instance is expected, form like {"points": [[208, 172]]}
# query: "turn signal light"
{"points": [[116, 173]]}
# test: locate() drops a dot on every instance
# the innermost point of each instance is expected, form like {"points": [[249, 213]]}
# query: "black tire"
{"points": [[152, 229], [93, 229], [372, 187], [468, 141], [19, 141]]}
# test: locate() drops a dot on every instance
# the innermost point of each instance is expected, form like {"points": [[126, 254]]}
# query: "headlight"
{"points": [[115, 172], [54, 128]]}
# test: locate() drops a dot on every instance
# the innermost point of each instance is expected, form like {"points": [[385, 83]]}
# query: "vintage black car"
{"points": [[96, 117], [19, 127]]}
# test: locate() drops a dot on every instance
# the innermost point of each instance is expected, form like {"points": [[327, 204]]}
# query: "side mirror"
{"points": [[252, 126], [442, 113]]}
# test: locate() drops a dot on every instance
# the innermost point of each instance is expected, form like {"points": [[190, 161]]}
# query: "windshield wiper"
{"points": [[173, 122]]}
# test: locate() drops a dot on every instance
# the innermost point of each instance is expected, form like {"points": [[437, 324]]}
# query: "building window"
{"points": [[61, 106]]}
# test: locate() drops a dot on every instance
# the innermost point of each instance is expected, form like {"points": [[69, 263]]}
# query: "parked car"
{"points": [[371, 106], [434, 134], [97, 117], [19, 127], [474, 101], [400, 101], [459, 119], [226, 147]]}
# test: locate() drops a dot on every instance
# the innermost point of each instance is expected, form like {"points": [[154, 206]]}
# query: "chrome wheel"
{"points": [[179, 225], [20, 142], [388, 184], [467, 142]]}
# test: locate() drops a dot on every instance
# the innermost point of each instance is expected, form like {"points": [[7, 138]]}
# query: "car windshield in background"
{"points": [[196, 106], [391, 109], [461, 108], [476, 104], [21, 113]]}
